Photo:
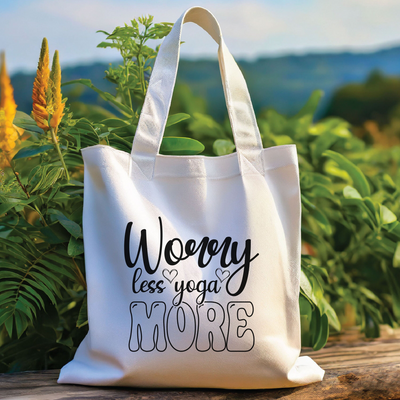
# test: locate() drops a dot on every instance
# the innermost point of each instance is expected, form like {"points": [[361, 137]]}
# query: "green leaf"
{"points": [[321, 220], [35, 294], [6, 207], [318, 215], [82, 317], [322, 191], [351, 193], [48, 179], [101, 31], [366, 214], [281, 139], [327, 309], [314, 269], [52, 234], [9, 325], [26, 122], [21, 323], [72, 227], [24, 295], [396, 257], [176, 118], [32, 151], [306, 311], [114, 122], [53, 265], [128, 129], [369, 294], [222, 147], [372, 322], [387, 217], [75, 247], [311, 105], [394, 288], [180, 146], [322, 143], [360, 182], [323, 333], [306, 286], [309, 179], [5, 314], [103, 45], [371, 207]]}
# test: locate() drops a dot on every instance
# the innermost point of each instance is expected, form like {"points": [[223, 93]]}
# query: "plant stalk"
{"points": [[139, 61], [17, 176], [54, 138], [126, 64]]}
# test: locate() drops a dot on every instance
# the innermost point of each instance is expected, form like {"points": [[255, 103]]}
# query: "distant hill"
{"points": [[283, 83]]}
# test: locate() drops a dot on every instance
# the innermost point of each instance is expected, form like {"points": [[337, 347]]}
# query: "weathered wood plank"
{"points": [[366, 383], [354, 334], [359, 370], [361, 354]]}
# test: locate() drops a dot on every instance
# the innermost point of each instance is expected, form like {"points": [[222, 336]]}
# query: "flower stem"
{"points": [[17, 176], [54, 138]]}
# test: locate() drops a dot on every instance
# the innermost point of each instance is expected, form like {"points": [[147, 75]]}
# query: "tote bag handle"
{"points": [[153, 118]]}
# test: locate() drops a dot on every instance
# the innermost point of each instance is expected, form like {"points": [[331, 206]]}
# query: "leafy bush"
{"points": [[375, 99], [350, 229], [349, 198]]}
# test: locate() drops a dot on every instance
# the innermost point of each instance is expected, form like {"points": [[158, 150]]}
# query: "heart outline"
{"points": [[167, 274], [222, 275]]}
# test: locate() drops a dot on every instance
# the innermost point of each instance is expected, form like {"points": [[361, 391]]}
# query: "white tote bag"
{"points": [[192, 262]]}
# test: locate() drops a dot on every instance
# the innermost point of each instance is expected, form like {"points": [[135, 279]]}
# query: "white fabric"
{"points": [[226, 228]]}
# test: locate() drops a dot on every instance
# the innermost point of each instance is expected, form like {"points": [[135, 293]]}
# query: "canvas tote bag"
{"points": [[192, 262]]}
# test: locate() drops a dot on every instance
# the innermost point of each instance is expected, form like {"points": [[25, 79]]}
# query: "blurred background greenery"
{"points": [[359, 87], [362, 88]]}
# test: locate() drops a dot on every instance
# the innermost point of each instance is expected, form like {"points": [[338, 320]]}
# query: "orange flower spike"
{"points": [[40, 87], [56, 108], [8, 108]]}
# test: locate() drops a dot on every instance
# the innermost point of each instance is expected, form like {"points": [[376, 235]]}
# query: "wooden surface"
{"points": [[355, 369]]}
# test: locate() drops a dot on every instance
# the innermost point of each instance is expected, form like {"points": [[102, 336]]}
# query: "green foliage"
{"points": [[349, 192], [349, 228], [137, 57]]}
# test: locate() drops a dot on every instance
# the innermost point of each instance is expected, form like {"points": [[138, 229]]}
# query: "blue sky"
{"points": [[251, 28]]}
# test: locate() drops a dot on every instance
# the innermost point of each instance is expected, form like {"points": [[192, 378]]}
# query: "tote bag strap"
{"points": [[153, 118]]}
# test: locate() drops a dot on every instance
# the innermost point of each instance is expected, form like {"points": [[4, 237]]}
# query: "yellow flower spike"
{"points": [[56, 107], [8, 108], [7, 102], [40, 88]]}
